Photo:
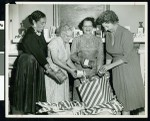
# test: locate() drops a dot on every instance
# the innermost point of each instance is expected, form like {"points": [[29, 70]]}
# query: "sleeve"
{"points": [[74, 50], [53, 47], [100, 57], [127, 40], [32, 46], [108, 56]]}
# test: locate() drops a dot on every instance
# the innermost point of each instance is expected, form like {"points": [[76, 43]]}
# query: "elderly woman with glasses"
{"points": [[59, 58]]}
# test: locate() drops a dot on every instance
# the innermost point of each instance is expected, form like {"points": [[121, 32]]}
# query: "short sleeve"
{"points": [[100, 52], [74, 50], [108, 56], [127, 45]]}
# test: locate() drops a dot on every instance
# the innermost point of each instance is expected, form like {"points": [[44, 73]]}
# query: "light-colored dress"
{"points": [[57, 92], [127, 78]]}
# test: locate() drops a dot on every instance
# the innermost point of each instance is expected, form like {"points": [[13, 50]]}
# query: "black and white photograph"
{"points": [[76, 59]]}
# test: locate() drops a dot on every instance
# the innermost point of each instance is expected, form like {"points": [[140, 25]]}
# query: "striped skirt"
{"points": [[96, 91]]}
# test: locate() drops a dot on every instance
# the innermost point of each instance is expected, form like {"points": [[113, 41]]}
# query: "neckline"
{"points": [[64, 44], [90, 36], [36, 32]]}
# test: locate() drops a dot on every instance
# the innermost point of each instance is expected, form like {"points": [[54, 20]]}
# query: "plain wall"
{"points": [[130, 15], [25, 10], [19, 13]]}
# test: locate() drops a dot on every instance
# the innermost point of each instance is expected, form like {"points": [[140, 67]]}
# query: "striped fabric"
{"points": [[97, 97], [112, 108], [63, 105], [95, 92]]}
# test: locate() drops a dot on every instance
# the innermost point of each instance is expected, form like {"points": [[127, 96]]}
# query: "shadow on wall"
{"points": [[24, 25]]}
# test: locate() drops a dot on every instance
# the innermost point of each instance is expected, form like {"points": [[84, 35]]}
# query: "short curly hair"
{"points": [[63, 28], [87, 19], [107, 16]]}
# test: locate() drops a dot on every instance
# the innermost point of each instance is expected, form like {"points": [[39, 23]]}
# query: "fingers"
{"points": [[74, 75], [103, 69]]}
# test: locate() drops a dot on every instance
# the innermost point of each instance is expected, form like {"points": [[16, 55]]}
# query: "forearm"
{"points": [[70, 64], [99, 64], [75, 58], [62, 65], [46, 66], [115, 64], [108, 61]]}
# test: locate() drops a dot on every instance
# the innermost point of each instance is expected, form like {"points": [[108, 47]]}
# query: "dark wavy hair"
{"points": [[87, 19], [36, 16], [107, 16]]}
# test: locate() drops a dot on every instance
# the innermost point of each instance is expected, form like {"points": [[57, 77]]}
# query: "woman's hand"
{"points": [[86, 63], [73, 72], [107, 74], [103, 69], [46, 66], [48, 71]]}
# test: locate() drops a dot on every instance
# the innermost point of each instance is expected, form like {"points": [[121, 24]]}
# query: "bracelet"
{"points": [[86, 62]]}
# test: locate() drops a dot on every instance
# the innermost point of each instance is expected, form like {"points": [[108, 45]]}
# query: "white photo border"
{"points": [[75, 116]]}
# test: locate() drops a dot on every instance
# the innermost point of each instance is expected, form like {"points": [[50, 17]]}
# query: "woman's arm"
{"points": [[74, 51], [60, 64], [100, 57], [114, 64], [54, 50], [71, 64], [31, 44], [63, 65], [108, 61], [127, 40]]}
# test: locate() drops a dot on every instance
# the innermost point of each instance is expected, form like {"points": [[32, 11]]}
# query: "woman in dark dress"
{"points": [[29, 86], [123, 59]]}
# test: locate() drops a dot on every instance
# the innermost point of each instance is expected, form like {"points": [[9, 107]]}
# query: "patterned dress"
{"points": [[127, 78], [57, 92], [86, 48]]}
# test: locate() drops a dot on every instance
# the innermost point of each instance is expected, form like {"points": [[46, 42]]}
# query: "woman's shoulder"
{"points": [[54, 41], [78, 37], [29, 36], [126, 34], [124, 30]]}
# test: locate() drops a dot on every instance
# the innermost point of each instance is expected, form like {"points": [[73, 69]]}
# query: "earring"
{"points": [[34, 25]]}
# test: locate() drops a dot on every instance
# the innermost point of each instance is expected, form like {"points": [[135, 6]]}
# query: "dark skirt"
{"points": [[29, 85]]}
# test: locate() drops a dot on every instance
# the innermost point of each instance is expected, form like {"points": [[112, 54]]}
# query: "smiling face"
{"points": [[87, 27], [39, 25], [108, 26]]}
